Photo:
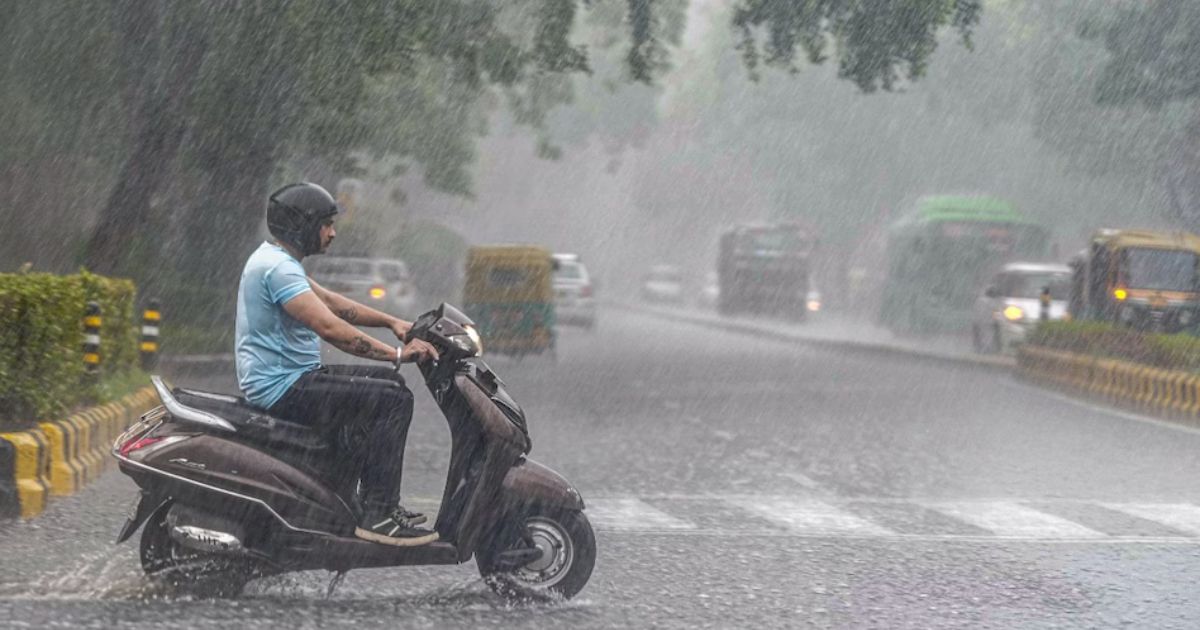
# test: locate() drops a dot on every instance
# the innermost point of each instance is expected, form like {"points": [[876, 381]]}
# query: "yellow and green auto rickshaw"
{"points": [[508, 293], [1141, 278]]}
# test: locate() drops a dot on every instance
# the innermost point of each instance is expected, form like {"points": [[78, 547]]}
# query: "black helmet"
{"points": [[295, 214]]}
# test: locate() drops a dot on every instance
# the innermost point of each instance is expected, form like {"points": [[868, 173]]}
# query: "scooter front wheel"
{"points": [[568, 554]]}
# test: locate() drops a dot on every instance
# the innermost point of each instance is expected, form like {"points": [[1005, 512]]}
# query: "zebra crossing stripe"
{"points": [[809, 517], [1184, 517], [1007, 519], [628, 514]]}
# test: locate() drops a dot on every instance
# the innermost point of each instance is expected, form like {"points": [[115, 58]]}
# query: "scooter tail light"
{"points": [[138, 449]]}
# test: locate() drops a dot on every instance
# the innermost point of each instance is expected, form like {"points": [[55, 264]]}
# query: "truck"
{"points": [[765, 269]]}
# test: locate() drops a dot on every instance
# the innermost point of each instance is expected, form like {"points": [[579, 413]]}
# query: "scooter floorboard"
{"points": [[345, 553]]}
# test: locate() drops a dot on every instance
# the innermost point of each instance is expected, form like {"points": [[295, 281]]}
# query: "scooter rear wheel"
{"points": [[568, 547], [185, 569]]}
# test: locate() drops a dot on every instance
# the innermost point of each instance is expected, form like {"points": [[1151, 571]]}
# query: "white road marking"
{"points": [[1003, 519], [1013, 520], [629, 514], [809, 517], [1184, 517]]}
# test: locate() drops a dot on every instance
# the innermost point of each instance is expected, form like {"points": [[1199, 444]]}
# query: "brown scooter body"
{"points": [[223, 481]]}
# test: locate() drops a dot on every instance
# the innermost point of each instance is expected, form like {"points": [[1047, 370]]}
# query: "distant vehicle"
{"points": [[1148, 280], [1010, 306], [574, 301], [383, 283], [509, 293], [710, 291], [663, 283], [765, 269], [940, 254], [812, 301]]}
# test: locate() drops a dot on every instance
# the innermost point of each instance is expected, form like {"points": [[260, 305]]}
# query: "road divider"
{"points": [[60, 457], [1173, 394]]}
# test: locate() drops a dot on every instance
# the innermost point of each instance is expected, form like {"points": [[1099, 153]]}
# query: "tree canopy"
{"points": [[167, 123]]}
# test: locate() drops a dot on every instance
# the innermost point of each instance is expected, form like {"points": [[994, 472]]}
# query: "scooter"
{"points": [[229, 493]]}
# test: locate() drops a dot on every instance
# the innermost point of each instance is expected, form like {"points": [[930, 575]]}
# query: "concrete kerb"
{"points": [[1167, 394], [767, 330], [59, 457]]}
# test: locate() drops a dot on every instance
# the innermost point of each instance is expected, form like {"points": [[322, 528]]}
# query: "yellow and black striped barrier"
{"points": [[151, 318], [60, 457], [92, 322], [1171, 394]]}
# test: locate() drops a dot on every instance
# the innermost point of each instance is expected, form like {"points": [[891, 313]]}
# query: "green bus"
{"points": [[940, 256]]}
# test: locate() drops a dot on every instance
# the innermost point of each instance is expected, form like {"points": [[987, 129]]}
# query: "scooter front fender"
{"points": [[531, 483]]}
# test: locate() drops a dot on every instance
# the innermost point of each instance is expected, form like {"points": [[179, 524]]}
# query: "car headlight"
{"points": [[1014, 313]]}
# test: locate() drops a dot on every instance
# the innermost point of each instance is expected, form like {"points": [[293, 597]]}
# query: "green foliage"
{"points": [[184, 114], [1174, 352], [873, 41], [1153, 70], [41, 340]]}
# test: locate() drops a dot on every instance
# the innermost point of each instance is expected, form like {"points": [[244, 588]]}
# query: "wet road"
{"points": [[738, 482]]}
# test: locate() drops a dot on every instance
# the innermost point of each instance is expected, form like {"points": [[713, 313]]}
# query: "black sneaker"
{"points": [[414, 518], [394, 529]]}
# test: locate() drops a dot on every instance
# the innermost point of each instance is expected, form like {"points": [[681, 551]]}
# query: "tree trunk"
{"points": [[160, 127]]}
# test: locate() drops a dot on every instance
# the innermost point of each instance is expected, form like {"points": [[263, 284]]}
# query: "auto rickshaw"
{"points": [[508, 292], [1141, 278]]}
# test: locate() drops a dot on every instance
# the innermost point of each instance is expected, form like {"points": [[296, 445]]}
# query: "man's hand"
{"points": [[418, 351], [400, 328]]}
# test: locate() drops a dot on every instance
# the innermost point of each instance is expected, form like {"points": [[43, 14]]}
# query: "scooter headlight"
{"points": [[470, 343]]}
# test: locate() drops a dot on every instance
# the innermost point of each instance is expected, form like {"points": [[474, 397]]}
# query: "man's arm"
{"points": [[353, 312], [312, 312]]}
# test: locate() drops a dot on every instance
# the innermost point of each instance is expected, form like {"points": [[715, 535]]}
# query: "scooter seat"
{"points": [[252, 423]]}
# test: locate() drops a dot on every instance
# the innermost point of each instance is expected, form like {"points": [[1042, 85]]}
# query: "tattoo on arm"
{"points": [[350, 314], [360, 346]]}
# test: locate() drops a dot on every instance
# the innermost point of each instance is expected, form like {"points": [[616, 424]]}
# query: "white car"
{"points": [[1011, 305], [574, 292], [663, 283], [382, 283]]}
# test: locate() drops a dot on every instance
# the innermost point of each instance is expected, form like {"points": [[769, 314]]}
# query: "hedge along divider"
{"points": [[42, 369], [42, 335]]}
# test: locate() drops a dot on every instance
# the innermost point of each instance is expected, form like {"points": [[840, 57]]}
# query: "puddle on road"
{"points": [[116, 577]]}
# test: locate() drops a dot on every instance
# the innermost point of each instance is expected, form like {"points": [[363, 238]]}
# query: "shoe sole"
{"points": [[415, 541]]}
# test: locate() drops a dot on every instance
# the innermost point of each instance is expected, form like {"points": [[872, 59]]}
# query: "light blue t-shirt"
{"points": [[273, 349]]}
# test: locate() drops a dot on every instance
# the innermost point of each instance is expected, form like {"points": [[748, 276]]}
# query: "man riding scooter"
{"points": [[282, 316]]}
